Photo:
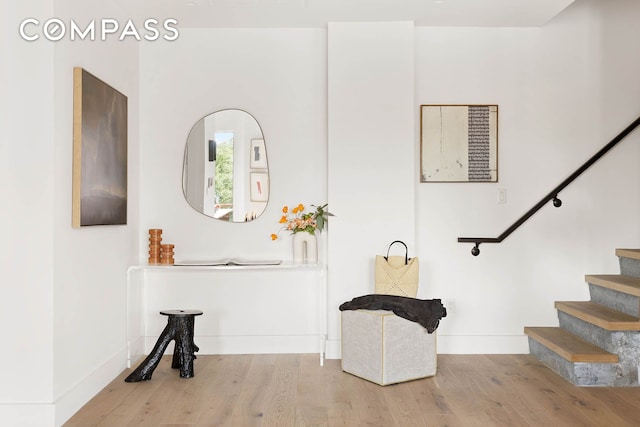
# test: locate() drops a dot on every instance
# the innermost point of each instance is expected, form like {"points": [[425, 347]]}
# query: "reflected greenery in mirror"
{"points": [[225, 171]]}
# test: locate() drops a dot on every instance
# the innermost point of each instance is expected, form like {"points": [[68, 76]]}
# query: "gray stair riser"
{"points": [[626, 344], [580, 374], [629, 267], [587, 331], [619, 301]]}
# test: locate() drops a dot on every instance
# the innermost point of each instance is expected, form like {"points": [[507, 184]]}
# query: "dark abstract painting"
{"points": [[99, 152]]}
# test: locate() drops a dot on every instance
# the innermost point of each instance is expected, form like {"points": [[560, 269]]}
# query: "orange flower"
{"points": [[296, 220]]}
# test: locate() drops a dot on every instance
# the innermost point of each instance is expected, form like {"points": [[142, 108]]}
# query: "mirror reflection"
{"points": [[225, 172]]}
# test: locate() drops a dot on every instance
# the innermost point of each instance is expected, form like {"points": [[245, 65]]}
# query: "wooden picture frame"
{"points": [[258, 154], [459, 143], [99, 188], [259, 186]]}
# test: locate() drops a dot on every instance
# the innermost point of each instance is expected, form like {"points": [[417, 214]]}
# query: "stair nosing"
{"points": [[617, 282], [583, 311], [594, 355], [628, 253]]}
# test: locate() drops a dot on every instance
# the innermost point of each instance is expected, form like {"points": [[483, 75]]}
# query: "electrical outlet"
{"points": [[449, 304], [502, 195]]}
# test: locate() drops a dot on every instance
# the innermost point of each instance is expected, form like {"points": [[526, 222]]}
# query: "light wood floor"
{"points": [[293, 390]]}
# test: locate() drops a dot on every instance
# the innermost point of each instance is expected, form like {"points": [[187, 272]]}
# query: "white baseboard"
{"points": [[447, 344], [483, 344], [263, 344], [135, 350], [334, 349], [76, 396], [462, 344]]}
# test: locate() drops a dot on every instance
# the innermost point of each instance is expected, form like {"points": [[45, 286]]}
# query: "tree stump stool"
{"points": [[180, 327]]}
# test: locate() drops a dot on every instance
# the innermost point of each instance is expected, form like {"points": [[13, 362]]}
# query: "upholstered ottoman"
{"points": [[386, 349]]}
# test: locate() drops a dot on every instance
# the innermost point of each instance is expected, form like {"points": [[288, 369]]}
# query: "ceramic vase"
{"points": [[305, 248]]}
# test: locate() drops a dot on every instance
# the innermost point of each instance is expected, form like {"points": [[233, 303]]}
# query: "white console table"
{"points": [[247, 309]]}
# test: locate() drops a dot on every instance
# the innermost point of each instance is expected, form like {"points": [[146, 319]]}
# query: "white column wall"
{"points": [[371, 172], [26, 223], [63, 289], [90, 262]]}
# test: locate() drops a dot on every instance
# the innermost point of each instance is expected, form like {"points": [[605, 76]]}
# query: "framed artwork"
{"points": [[458, 143], [258, 154], [99, 189], [259, 186]]}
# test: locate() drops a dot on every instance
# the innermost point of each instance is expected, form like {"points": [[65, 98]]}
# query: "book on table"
{"points": [[228, 261]]}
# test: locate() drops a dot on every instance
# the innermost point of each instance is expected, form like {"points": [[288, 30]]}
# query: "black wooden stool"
{"points": [[179, 328]]}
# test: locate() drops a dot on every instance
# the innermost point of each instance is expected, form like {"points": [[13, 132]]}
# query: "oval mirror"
{"points": [[225, 173]]}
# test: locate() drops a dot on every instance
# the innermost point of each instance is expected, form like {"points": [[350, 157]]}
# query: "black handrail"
{"points": [[553, 195]]}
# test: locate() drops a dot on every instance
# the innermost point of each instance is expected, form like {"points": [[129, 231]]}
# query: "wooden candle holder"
{"points": [[166, 254], [155, 237]]}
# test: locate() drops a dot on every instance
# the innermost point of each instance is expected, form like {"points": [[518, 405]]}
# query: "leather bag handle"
{"points": [[406, 251]]}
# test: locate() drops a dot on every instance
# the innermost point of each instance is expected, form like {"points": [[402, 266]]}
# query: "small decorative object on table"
{"points": [[155, 237], [303, 226], [166, 254]]}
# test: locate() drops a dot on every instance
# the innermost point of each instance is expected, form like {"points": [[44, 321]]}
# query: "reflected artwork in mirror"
{"points": [[224, 155]]}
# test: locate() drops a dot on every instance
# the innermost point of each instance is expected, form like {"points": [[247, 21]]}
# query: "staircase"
{"points": [[598, 341]]}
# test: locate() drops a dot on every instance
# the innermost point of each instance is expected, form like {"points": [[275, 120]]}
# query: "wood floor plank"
{"points": [[161, 401], [250, 405], [293, 390], [194, 398], [562, 403], [433, 405], [225, 390], [403, 405], [339, 394], [311, 408], [370, 405], [476, 383], [280, 406]]}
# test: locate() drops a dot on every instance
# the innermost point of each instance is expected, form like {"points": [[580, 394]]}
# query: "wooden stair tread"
{"points": [[569, 346], [628, 253], [617, 282], [599, 315]]}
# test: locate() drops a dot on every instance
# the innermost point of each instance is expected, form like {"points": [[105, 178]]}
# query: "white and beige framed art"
{"points": [[259, 187], [258, 154], [459, 143]]}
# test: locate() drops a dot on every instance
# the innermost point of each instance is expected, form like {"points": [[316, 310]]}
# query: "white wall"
{"points": [[26, 280], [620, 68], [563, 90], [552, 89], [63, 289], [548, 83], [276, 75], [90, 263], [371, 172]]}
